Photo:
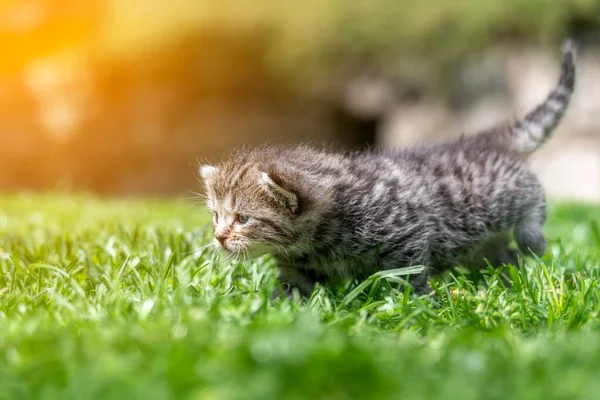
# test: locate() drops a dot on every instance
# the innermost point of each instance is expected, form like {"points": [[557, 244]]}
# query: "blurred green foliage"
{"points": [[320, 37]]}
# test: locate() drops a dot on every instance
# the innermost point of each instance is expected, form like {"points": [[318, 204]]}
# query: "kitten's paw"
{"points": [[284, 289]]}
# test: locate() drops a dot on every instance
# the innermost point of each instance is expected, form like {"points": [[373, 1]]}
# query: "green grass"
{"points": [[121, 299]]}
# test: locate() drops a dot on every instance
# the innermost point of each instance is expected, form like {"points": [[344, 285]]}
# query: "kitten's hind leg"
{"points": [[496, 250]]}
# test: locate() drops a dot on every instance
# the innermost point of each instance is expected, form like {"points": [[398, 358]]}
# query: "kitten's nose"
{"points": [[220, 236]]}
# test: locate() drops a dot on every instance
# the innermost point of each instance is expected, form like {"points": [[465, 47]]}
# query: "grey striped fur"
{"points": [[529, 133], [327, 215]]}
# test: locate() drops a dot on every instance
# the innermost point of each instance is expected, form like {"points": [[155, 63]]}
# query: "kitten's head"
{"points": [[254, 212]]}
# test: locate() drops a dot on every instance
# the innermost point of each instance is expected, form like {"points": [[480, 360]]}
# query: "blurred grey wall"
{"points": [[500, 84]]}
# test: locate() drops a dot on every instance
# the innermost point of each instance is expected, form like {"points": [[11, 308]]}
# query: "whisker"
{"points": [[197, 249], [243, 255], [190, 198], [201, 202], [202, 195]]}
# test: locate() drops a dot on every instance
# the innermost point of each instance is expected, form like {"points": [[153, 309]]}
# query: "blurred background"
{"points": [[122, 98]]}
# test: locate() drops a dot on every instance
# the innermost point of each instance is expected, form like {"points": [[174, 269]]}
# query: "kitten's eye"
{"points": [[242, 219], [215, 217]]}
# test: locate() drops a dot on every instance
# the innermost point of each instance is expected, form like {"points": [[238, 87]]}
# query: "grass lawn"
{"points": [[122, 299]]}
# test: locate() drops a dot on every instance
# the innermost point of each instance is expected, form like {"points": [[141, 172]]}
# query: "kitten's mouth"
{"points": [[236, 253], [221, 245]]}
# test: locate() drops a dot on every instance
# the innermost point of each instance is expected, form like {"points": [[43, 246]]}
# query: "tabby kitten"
{"points": [[327, 216]]}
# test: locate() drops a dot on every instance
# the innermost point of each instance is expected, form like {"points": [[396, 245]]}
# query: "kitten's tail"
{"points": [[530, 132]]}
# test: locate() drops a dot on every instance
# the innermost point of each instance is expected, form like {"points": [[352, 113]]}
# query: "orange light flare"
{"points": [[42, 42], [30, 29]]}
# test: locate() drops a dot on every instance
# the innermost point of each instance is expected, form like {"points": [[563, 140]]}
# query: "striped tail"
{"points": [[529, 133]]}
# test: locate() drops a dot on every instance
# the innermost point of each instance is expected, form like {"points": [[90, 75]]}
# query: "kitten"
{"points": [[328, 216]]}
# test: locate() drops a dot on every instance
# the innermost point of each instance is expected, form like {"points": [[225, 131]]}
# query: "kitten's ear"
{"points": [[207, 172], [279, 193]]}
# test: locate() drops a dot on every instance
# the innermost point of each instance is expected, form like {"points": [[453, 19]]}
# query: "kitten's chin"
{"points": [[253, 250], [224, 249]]}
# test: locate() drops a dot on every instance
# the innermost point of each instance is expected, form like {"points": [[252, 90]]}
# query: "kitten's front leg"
{"points": [[420, 282], [290, 277]]}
